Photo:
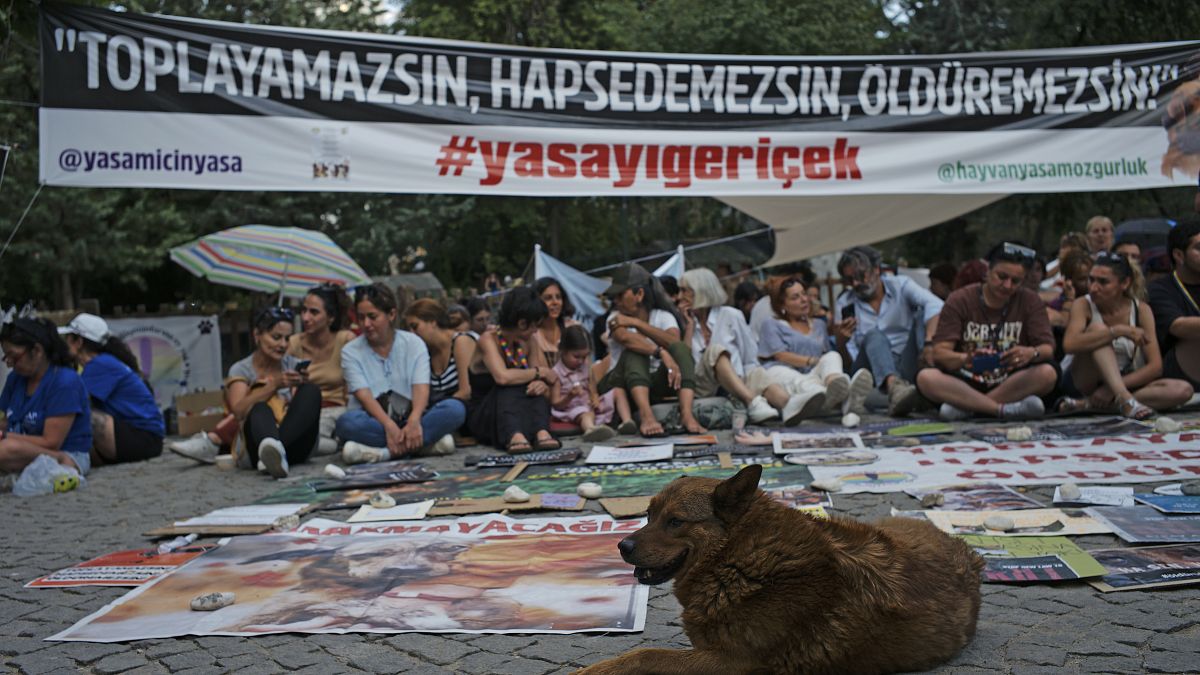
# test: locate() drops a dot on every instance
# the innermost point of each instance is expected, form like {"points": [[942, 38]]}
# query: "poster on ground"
{"points": [[1025, 559], [1140, 458], [489, 574], [1026, 522], [1129, 569], [979, 497], [123, 568], [1147, 525]]}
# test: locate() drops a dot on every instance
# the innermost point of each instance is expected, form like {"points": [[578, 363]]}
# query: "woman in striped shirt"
{"points": [[429, 320]]}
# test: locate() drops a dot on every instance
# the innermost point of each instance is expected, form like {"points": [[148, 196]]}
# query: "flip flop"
{"points": [[1069, 406], [1134, 410], [549, 444]]}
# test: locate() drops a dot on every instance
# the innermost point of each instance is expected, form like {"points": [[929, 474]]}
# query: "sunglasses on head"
{"points": [[277, 313], [1112, 258], [368, 291], [1018, 251]]}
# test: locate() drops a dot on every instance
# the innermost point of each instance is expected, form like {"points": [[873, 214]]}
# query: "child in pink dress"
{"points": [[575, 399]]}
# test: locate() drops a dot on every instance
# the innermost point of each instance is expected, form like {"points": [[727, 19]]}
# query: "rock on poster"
{"points": [[489, 574]]}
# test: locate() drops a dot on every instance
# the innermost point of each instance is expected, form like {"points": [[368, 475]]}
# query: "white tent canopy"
{"points": [[810, 226]]}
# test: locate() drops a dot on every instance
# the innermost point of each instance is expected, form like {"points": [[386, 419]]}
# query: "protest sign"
{"points": [[1129, 569], [1171, 504], [123, 568], [1019, 559], [177, 354], [1106, 459], [605, 454], [484, 574], [1147, 525]]}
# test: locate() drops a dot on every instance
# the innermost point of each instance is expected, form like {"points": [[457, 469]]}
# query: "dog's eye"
{"points": [[674, 522]]}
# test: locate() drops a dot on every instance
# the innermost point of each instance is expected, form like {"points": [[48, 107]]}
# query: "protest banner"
{"points": [[1137, 458], [132, 100], [1131, 569], [178, 354], [488, 574]]}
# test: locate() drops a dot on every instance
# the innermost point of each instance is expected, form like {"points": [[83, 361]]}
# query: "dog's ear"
{"points": [[733, 495]]}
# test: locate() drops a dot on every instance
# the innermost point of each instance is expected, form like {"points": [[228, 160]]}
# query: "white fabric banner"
{"points": [[109, 148], [672, 266], [1116, 459], [178, 354]]}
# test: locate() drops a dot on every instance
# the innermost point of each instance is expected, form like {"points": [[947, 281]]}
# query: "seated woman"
{"points": [[278, 410], [481, 316], [797, 354], [388, 374], [448, 348], [647, 358], [576, 400], [324, 318], [126, 423], [993, 345], [510, 380], [559, 311], [1113, 346], [44, 400]]}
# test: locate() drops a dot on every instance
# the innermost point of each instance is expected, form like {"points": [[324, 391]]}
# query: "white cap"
{"points": [[88, 327]]}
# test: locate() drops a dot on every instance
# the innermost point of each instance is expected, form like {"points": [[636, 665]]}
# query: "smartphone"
{"points": [[985, 363], [302, 366], [848, 312]]}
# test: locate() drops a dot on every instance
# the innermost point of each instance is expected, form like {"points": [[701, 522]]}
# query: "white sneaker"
{"points": [[802, 407], [273, 457], [861, 386], [836, 392], [444, 446], [760, 411], [950, 413], [357, 453], [199, 448]]}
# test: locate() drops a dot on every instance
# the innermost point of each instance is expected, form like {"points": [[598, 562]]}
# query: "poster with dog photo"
{"points": [[1129, 569], [482, 574], [838, 442]]}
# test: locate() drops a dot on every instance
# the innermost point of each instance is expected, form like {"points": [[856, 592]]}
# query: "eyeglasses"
{"points": [[277, 313]]}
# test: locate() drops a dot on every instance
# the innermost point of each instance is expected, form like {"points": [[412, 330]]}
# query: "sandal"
{"points": [[518, 447], [549, 444], [1133, 410], [1070, 406]]}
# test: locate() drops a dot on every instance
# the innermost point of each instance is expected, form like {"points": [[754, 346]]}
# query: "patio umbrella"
{"points": [[284, 260]]}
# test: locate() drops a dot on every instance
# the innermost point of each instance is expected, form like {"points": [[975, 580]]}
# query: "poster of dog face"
{"points": [[472, 575]]}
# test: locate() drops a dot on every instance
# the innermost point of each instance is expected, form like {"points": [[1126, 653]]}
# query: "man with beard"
{"points": [[993, 344], [878, 328], [1174, 300]]}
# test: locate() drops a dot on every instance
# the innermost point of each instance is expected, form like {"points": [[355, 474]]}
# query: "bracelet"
{"points": [[658, 352], [1037, 354], [537, 373]]}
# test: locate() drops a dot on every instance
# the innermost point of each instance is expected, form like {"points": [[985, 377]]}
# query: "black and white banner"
{"points": [[158, 101]]}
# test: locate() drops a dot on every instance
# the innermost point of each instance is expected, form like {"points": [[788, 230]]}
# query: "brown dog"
{"points": [[768, 589]]}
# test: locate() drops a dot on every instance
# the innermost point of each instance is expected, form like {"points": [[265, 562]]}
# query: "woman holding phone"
{"points": [[318, 346], [278, 410]]}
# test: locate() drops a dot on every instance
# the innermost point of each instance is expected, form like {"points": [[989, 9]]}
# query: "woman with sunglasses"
{"points": [[126, 423], [388, 375], [993, 346], [324, 317], [511, 382], [279, 410], [44, 400], [1112, 346]]}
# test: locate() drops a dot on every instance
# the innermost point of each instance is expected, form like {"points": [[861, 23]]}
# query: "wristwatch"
{"points": [[1037, 353], [658, 352]]}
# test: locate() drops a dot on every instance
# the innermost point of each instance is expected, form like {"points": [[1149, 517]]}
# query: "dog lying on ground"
{"points": [[768, 589]]}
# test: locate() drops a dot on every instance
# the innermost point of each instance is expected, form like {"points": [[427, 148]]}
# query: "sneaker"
{"points": [[1028, 408], [836, 393], [627, 428], [861, 386], [199, 448], [760, 411], [357, 453], [444, 446], [325, 446], [802, 407], [273, 457], [903, 398], [599, 434], [949, 413]]}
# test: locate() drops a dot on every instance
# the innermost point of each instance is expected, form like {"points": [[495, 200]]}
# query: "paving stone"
{"points": [[39, 663], [169, 648], [1092, 647], [230, 663], [481, 662], [117, 663], [520, 666], [1038, 654], [1111, 664], [196, 658], [292, 658], [428, 669], [503, 644], [1175, 642], [555, 653], [432, 648], [1169, 662]]}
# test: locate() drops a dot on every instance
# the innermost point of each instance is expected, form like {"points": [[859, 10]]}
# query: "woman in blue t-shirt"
{"points": [[44, 401], [126, 423]]}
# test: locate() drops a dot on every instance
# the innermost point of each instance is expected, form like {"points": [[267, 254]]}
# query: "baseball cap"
{"points": [[629, 275], [88, 327]]}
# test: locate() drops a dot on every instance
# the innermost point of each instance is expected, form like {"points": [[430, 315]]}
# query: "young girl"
{"points": [[575, 399]]}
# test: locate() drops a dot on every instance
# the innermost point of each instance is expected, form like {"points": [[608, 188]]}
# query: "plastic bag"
{"points": [[44, 476]]}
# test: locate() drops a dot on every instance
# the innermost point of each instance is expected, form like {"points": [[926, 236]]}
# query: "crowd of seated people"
{"points": [[1001, 336]]}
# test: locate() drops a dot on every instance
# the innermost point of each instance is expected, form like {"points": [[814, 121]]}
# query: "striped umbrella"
{"points": [[284, 260]]}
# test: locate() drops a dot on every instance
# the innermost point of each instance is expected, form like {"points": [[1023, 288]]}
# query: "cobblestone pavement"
{"points": [[1022, 629]]}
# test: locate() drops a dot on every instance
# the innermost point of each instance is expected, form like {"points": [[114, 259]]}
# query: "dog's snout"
{"points": [[625, 546]]}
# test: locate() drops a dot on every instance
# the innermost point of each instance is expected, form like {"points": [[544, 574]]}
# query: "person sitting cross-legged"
{"points": [[1115, 360], [1176, 302], [992, 345]]}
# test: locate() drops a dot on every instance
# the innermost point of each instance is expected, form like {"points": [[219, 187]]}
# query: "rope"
{"points": [[22, 219]]}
